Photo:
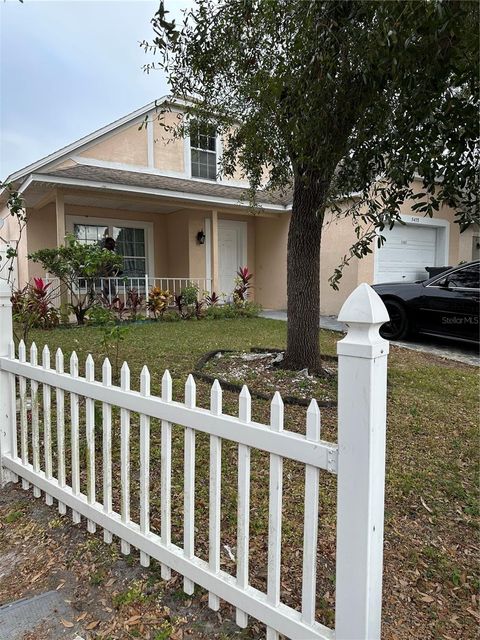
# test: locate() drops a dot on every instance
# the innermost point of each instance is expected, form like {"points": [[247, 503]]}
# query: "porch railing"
{"points": [[111, 288]]}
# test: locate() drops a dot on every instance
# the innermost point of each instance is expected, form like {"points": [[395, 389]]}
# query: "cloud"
{"points": [[69, 68]]}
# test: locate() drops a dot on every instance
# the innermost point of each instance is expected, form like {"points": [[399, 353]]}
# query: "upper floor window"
{"points": [[203, 151]]}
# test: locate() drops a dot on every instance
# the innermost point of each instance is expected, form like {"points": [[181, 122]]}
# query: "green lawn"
{"points": [[431, 577]]}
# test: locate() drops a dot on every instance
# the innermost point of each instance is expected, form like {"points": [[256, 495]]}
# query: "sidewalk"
{"points": [[326, 322]]}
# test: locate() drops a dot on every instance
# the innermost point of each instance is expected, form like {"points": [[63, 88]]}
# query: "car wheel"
{"points": [[397, 328]]}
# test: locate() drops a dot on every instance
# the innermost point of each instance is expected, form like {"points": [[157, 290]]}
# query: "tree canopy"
{"points": [[335, 98]]}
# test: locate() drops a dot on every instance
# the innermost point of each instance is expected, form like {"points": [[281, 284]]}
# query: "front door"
{"points": [[232, 252]]}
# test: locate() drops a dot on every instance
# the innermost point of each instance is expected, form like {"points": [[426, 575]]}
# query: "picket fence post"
{"points": [[7, 389], [362, 386]]}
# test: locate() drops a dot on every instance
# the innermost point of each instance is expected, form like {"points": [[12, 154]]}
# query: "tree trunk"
{"points": [[303, 277], [80, 315]]}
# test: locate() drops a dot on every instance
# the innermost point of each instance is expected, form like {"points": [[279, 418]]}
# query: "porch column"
{"points": [[60, 220], [214, 249], [60, 217]]}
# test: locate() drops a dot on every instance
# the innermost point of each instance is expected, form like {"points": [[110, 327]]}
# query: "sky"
{"points": [[68, 67]]}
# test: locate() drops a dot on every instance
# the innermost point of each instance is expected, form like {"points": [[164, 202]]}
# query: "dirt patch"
{"points": [[261, 371], [108, 595]]}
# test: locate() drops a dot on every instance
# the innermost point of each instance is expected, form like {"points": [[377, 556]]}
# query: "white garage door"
{"points": [[405, 254]]}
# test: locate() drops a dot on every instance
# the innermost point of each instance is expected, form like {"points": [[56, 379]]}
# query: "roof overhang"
{"points": [[38, 179]]}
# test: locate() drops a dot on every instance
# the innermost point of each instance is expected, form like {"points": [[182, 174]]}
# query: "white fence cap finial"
{"points": [[363, 306]]}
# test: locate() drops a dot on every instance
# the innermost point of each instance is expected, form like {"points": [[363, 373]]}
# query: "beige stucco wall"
{"points": [[168, 151], [337, 237], [190, 257], [465, 246], [177, 253], [128, 146], [271, 261], [177, 249], [238, 176], [197, 253], [42, 234]]}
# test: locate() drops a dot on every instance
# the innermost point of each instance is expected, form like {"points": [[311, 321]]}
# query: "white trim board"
{"points": [[151, 170], [208, 252], [150, 145]]}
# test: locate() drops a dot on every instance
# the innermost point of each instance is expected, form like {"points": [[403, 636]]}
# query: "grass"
{"points": [[431, 528]]}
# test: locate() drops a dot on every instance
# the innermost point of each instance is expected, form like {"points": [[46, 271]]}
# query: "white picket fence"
{"points": [[358, 461]]}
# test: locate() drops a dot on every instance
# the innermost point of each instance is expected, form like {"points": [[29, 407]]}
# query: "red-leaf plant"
{"points": [[242, 285], [32, 307], [212, 300]]}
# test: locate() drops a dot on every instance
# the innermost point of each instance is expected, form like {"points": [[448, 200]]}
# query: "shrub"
{"points": [[134, 303], [32, 307], [171, 316], [158, 301], [188, 303], [100, 315], [248, 310], [113, 333], [75, 261], [212, 299], [189, 294], [242, 286]]}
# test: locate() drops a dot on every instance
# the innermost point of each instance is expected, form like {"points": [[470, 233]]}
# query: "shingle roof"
{"points": [[154, 181]]}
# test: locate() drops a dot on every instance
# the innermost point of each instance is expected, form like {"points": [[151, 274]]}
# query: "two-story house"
{"points": [[173, 220]]}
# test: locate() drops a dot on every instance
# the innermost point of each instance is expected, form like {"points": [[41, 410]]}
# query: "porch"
{"points": [[168, 239]]}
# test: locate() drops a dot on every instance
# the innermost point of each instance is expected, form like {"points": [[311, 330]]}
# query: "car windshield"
{"points": [[464, 276]]}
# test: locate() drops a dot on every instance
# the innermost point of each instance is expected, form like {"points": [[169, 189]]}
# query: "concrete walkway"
{"points": [[466, 353], [27, 615]]}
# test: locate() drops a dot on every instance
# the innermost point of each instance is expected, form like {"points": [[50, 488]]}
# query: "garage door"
{"points": [[405, 254]]}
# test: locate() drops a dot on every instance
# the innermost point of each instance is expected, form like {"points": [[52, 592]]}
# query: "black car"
{"points": [[445, 305]]}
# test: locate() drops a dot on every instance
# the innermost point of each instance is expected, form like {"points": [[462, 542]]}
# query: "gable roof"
{"points": [[46, 171], [74, 146]]}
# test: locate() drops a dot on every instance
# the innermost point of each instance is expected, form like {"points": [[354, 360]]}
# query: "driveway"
{"points": [[466, 353]]}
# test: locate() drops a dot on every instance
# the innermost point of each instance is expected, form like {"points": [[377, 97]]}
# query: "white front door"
{"points": [[232, 253]]}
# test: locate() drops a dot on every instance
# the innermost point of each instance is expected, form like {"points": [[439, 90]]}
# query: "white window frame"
{"points": [[71, 220], [188, 167]]}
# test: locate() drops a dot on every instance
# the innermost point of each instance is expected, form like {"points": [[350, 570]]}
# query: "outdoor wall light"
{"points": [[201, 237]]}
